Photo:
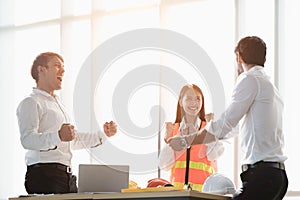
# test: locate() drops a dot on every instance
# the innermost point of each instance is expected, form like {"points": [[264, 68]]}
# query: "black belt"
{"points": [[278, 165], [52, 165]]}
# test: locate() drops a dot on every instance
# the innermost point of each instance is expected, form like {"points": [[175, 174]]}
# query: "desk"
{"points": [[165, 195]]}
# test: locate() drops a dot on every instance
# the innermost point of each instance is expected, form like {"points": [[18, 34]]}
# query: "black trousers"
{"points": [[263, 183], [49, 179]]}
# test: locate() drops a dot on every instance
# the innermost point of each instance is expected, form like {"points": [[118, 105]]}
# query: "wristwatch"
{"points": [[183, 143]]}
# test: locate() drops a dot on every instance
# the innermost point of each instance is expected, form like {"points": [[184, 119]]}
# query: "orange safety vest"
{"points": [[199, 168]]}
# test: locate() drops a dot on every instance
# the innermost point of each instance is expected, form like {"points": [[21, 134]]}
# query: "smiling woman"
{"points": [[191, 167]]}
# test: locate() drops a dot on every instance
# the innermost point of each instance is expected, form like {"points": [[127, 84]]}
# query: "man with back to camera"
{"points": [[47, 133], [256, 104]]}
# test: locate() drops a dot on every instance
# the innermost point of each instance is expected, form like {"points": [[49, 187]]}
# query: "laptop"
{"points": [[94, 178]]}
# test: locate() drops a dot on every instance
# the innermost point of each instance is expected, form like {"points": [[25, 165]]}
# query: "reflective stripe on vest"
{"points": [[198, 172], [195, 165], [199, 169]]}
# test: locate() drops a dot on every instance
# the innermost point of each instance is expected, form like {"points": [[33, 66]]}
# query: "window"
{"points": [[289, 81], [78, 28]]}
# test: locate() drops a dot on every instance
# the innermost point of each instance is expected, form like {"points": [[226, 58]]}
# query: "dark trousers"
{"points": [[49, 179], [263, 183]]}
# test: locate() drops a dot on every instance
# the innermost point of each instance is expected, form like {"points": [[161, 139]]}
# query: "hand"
{"points": [[178, 143], [110, 128], [169, 130], [66, 133], [209, 117]]}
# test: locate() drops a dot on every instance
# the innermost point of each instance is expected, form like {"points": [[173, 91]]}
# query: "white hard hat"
{"points": [[218, 184]]}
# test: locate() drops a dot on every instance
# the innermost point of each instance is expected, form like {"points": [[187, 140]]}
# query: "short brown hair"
{"points": [[42, 60], [252, 50]]}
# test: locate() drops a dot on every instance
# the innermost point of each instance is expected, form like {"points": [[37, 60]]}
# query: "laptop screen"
{"points": [[94, 178]]}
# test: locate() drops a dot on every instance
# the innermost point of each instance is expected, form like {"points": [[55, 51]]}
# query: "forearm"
{"points": [[178, 143], [202, 137], [87, 140]]}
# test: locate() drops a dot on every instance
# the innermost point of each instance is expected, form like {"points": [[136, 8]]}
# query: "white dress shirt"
{"points": [[256, 102], [40, 117]]}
